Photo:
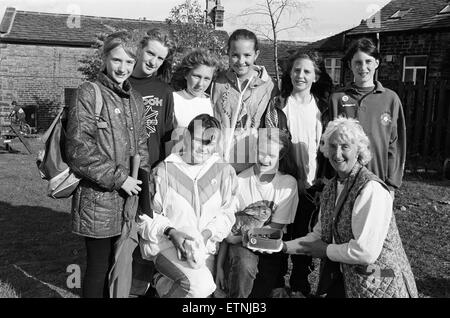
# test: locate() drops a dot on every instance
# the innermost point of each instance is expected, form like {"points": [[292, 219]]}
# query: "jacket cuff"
{"points": [[121, 179], [333, 252]]}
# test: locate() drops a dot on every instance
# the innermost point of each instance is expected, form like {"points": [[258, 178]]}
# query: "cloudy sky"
{"points": [[324, 17]]}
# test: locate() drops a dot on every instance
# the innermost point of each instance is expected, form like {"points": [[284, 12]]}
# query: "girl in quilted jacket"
{"points": [[302, 105], [356, 235], [99, 150]]}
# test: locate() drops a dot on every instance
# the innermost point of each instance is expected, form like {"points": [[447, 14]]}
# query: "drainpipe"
{"points": [[379, 52], [343, 67]]}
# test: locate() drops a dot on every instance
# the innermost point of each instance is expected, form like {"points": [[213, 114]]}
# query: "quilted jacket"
{"points": [[100, 150]]}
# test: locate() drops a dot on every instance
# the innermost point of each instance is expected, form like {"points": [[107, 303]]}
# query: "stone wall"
{"points": [[30, 72]]}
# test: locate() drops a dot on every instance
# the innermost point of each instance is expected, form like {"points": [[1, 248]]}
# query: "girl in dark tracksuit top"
{"points": [[379, 111]]}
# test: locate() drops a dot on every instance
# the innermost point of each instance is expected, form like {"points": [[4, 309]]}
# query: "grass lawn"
{"points": [[37, 246]]}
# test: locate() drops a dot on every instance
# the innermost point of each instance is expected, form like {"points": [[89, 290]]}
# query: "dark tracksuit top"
{"points": [[380, 113], [158, 102]]}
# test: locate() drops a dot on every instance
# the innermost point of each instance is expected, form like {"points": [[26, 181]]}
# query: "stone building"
{"points": [[414, 40], [39, 58], [413, 37]]}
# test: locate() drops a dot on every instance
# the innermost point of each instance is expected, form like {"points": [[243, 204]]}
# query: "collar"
{"points": [[176, 158], [353, 173], [109, 83], [181, 164], [378, 87], [261, 78], [281, 102]]}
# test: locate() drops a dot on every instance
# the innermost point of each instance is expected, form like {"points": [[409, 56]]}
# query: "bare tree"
{"points": [[283, 15]]}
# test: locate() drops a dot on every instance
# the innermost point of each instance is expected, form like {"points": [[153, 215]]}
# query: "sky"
{"points": [[322, 18]]}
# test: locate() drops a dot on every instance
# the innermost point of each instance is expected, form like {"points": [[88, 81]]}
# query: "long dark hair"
{"points": [[322, 88], [164, 72]]}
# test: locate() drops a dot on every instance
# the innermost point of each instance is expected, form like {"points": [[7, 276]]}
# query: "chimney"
{"points": [[7, 21]]}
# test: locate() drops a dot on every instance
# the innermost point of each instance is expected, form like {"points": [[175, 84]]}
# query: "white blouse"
{"points": [[371, 216], [187, 109]]}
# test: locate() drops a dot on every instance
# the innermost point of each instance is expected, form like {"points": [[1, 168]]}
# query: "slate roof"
{"points": [[423, 14], [54, 29], [329, 44], [284, 48], [27, 27]]}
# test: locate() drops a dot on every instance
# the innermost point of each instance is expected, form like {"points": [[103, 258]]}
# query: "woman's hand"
{"points": [[131, 186], [234, 239], [317, 249], [292, 247], [220, 278]]}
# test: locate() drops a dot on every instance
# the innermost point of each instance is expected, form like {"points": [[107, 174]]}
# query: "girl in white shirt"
{"points": [[240, 271], [303, 110], [191, 79]]}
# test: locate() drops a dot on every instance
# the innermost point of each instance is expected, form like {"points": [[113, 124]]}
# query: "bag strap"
{"points": [[98, 109], [47, 133], [98, 101]]}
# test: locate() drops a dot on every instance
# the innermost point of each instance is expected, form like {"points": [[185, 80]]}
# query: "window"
{"points": [[445, 10], [333, 67], [399, 14], [415, 69]]}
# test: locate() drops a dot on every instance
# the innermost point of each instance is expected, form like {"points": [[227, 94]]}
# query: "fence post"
{"points": [[409, 113], [418, 120], [439, 139], [447, 125], [429, 108]]}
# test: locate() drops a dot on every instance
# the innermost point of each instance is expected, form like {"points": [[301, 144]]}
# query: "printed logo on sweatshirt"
{"points": [[385, 119], [151, 114]]}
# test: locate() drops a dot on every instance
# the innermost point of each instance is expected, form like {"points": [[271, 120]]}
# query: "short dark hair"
{"points": [[207, 122], [365, 45], [243, 34], [286, 83]]}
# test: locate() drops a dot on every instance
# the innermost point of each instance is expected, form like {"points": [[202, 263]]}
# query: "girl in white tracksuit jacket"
{"points": [[193, 199]]}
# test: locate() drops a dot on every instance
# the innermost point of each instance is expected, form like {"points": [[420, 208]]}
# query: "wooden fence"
{"points": [[427, 115]]}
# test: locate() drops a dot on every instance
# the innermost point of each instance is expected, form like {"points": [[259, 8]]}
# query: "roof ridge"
{"points": [[86, 16]]}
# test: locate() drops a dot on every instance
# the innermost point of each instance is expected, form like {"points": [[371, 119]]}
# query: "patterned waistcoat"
{"points": [[390, 276]]}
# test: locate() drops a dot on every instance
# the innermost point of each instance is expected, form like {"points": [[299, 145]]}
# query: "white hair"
{"points": [[349, 130]]}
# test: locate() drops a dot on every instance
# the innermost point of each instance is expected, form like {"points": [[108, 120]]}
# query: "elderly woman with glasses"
{"points": [[356, 235]]}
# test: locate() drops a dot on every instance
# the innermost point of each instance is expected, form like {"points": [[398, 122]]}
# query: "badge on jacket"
{"points": [[385, 119]]}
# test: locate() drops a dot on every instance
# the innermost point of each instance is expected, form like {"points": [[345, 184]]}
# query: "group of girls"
{"points": [[200, 178]]}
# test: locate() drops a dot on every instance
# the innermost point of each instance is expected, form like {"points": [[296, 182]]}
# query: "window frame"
{"points": [[445, 10], [399, 14], [415, 68], [333, 68]]}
